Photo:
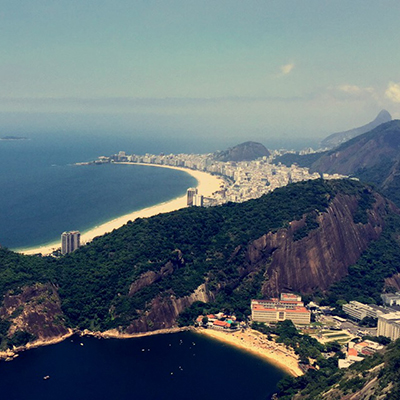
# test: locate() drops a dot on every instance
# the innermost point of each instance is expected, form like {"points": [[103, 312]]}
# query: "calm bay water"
{"points": [[178, 366]]}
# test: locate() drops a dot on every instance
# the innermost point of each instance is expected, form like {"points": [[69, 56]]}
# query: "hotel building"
{"points": [[287, 307]]}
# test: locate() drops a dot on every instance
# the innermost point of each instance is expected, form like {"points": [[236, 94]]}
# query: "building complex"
{"points": [[359, 311], [287, 307]]}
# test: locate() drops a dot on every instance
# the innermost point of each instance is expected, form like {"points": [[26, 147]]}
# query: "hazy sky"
{"points": [[251, 69]]}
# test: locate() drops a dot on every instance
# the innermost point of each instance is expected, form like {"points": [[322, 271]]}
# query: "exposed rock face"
{"points": [[247, 151], [321, 258], [150, 277], [393, 281], [36, 310], [338, 138], [165, 309]]}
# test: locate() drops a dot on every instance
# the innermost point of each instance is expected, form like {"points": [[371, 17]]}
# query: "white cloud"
{"points": [[286, 69], [355, 90], [393, 92]]}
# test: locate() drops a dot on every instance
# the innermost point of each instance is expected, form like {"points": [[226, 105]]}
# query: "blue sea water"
{"points": [[178, 366], [43, 194]]}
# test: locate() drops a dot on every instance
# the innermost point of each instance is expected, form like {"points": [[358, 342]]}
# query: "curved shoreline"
{"points": [[255, 342], [206, 184], [250, 341]]}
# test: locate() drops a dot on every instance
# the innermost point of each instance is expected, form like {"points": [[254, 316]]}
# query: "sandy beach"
{"points": [[206, 184], [255, 342]]}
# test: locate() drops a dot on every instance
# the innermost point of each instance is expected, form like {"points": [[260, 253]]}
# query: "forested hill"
{"points": [[152, 272], [246, 151]]}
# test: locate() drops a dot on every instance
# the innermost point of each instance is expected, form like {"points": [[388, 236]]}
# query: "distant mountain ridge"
{"points": [[338, 138], [373, 157], [247, 151]]}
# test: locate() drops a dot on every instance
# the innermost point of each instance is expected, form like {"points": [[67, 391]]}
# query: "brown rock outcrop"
{"points": [[165, 309], [393, 281], [37, 310], [321, 258]]}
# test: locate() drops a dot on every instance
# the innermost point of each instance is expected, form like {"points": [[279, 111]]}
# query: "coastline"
{"points": [[10, 354], [206, 184], [250, 341], [255, 342]]}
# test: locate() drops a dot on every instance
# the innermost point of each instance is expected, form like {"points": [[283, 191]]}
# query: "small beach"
{"points": [[206, 185], [255, 342]]}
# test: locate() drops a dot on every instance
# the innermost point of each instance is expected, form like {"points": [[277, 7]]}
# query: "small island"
{"points": [[13, 138]]}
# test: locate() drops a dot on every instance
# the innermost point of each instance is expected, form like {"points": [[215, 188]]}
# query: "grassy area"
{"points": [[337, 335]]}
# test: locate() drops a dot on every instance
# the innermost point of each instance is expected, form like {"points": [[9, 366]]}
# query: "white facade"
{"points": [[191, 193], [70, 241], [359, 310], [389, 325]]}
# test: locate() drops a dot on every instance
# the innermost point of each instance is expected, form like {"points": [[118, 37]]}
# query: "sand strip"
{"points": [[258, 344], [206, 185]]}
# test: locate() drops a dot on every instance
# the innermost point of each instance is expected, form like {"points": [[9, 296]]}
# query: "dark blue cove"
{"points": [[174, 366]]}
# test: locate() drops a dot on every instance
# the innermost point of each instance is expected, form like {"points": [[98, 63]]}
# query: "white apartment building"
{"points": [[389, 325], [70, 241]]}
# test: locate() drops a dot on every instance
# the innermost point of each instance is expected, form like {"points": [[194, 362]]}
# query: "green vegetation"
{"points": [[181, 250], [317, 383], [304, 161]]}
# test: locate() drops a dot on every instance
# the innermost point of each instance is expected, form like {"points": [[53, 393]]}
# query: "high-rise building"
{"points": [[198, 200], [70, 241], [191, 192], [389, 325]]}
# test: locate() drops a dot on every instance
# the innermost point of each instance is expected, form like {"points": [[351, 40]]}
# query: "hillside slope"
{"points": [[147, 274], [338, 138], [373, 157]]}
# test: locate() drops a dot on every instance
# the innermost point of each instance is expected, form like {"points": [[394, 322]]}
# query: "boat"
{"points": [[46, 377]]}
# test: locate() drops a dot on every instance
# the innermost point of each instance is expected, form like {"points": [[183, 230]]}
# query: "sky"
{"points": [[241, 70]]}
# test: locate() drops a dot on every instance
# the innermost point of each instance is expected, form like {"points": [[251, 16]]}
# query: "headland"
{"points": [[206, 185]]}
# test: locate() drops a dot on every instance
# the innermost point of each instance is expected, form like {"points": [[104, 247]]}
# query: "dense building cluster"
{"points": [[244, 180]]}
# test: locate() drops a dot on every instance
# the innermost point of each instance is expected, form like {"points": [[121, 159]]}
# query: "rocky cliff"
{"points": [[36, 310], [323, 256]]}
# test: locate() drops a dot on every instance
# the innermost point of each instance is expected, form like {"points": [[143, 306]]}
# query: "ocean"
{"points": [[43, 194]]}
